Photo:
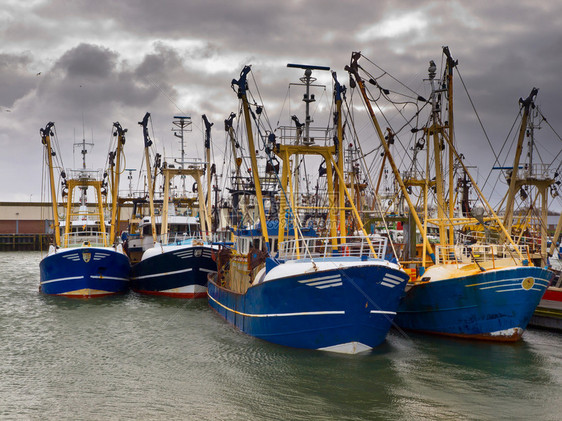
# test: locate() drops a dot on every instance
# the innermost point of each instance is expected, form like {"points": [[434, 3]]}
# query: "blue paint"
{"points": [[361, 291], [459, 307], [56, 269], [151, 275]]}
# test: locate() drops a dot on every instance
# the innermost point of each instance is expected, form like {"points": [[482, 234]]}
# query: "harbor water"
{"points": [[145, 357]]}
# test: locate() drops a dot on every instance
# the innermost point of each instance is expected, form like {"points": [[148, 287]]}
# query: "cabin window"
{"points": [[147, 230]]}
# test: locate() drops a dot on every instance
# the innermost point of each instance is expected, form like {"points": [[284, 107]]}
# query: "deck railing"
{"points": [[478, 253], [78, 239], [322, 247], [180, 237]]}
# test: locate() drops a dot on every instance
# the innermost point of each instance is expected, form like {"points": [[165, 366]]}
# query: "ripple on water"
{"points": [[141, 357]]}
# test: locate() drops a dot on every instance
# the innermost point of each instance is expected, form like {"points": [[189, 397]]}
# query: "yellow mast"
{"points": [[434, 130], [526, 104], [450, 66], [481, 195], [341, 185], [230, 130], [353, 69], [165, 205], [46, 140], [196, 174], [555, 236], [307, 147], [237, 163], [100, 210], [208, 126], [147, 144], [242, 87], [115, 180]]}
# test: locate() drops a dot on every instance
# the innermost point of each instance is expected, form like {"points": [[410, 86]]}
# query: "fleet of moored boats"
{"points": [[308, 259]]}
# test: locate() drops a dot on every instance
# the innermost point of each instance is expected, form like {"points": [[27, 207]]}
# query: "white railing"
{"points": [[540, 170], [84, 173], [532, 242], [179, 237], [78, 239], [327, 247], [477, 253], [413, 174], [318, 135]]}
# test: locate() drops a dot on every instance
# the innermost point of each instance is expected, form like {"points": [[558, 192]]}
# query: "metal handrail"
{"points": [[323, 247], [477, 253], [180, 237], [80, 238]]}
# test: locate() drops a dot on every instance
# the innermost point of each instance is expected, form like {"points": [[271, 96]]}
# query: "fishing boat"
{"points": [[548, 314], [532, 180], [463, 287], [84, 260], [178, 258], [331, 293]]}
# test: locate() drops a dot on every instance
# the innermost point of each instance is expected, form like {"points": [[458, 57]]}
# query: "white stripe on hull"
{"points": [[517, 289], [323, 282], [62, 279], [310, 313], [393, 277], [516, 280], [339, 284], [390, 281], [73, 256], [184, 255], [162, 274], [108, 277], [383, 312]]}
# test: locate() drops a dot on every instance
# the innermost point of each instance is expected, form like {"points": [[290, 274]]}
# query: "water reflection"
{"points": [[447, 377], [145, 357]]}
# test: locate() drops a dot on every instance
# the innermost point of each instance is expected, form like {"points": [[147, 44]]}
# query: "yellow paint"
{"points": [[527, 283], [85, 292]]}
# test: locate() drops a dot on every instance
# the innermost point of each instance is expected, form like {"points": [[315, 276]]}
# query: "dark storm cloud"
{"points": [[16, 79], [88, 62], [86, 89], [115, 60]]}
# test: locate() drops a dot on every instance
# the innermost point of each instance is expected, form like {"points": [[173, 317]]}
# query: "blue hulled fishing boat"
{"points": [[481, 286], [82, 261], [328, 293], [178, 258], [176, 268], [474, 301]]}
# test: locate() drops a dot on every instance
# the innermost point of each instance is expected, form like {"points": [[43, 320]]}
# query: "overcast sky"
{"points": [[86, 64]]}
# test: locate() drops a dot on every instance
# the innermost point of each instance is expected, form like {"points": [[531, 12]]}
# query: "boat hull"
{"points": [[346, 310], [493, 305], [84, 272], [548, 314], [179, 272]]}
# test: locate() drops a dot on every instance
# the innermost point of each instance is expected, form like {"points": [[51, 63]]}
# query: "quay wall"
{"points": [[29, 225]]}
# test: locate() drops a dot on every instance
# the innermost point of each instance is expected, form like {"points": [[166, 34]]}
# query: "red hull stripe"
{"points": [[481, 337], [552, 295]]}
